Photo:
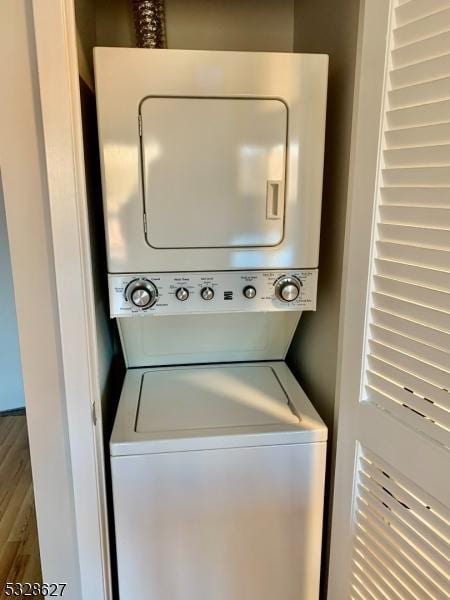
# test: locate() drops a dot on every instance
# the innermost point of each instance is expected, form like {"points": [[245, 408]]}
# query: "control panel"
{"points": [[212, 292]]}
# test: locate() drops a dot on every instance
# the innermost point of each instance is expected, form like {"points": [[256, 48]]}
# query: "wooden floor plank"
{"points": [[14, 469], [19, 548], [9, 515], [8, 554], [15, 433], [6, 423], [22, 524]]}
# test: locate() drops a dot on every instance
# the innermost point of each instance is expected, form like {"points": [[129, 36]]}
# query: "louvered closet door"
{"points": [[391, 508]]}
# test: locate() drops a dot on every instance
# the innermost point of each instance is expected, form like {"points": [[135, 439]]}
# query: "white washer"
{"points": [[218, 478]]}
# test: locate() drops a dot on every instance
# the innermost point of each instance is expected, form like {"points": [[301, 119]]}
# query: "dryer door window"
{"points": [[213, 171]]}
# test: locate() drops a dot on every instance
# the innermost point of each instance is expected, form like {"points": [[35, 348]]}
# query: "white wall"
{"points": [[206, 24], [27, 213], [11, 386], [264, 25]]}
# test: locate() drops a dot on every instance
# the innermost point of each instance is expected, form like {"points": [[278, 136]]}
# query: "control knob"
{"points": [[287, 288], [207, 293], [142, 293], [182, 294]]}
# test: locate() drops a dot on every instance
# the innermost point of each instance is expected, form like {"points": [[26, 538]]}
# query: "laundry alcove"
{"points": [[282, 26]]}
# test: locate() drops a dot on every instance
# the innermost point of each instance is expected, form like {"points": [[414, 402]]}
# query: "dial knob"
{"points": [[249, 291], [142, 293], [182, 294], [287, 288], [207, 293]]}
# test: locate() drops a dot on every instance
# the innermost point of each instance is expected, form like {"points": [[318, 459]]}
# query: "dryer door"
{"points": [[213, 171]]}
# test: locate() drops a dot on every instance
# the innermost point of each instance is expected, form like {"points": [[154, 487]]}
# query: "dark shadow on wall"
{"points": [[322, 26]]}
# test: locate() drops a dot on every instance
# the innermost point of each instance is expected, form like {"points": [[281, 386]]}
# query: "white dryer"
{"points": [[218, 478], [211, 169]]}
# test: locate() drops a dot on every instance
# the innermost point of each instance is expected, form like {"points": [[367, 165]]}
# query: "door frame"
{"points": [[58, 81]]}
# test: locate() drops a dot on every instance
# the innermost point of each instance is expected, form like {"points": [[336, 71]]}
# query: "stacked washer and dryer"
{"points": [[212, 181]]}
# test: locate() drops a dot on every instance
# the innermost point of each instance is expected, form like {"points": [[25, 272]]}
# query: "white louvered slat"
{"points": [[427, 237], [417, 331], [412, 176], [403, 360], [375, 488], [419, 156], [369, 546], [402, 535], [376, 534], [420, 216], [439, 524], [407, 415], [394, 585], [411, 310], [408, 291], [409, 398], [421, 50], [360, 593], [426, 26], [426, 135], [432, 68], [416, 196], [413, 530], [416, 9], [420, 93], [430, 399], [416, 275], [406, 344], [370, 579], [426, 257], [379, 534], [385, 536], [414, 116]]}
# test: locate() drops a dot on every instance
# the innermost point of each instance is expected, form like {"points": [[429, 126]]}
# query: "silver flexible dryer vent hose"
{"points": [[149, 23]]}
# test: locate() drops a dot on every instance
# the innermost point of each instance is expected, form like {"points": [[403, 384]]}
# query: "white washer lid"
{"points": [[212, 397], [206, 407]]}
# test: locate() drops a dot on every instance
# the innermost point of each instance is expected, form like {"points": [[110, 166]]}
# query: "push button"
{"points": [[249, 291]]}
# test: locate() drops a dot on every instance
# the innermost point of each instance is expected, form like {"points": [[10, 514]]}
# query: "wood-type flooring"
{"points": [[19, 549]]}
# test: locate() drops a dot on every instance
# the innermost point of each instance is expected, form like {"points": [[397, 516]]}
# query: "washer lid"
{"points": [[207, 407], [212, 397]]}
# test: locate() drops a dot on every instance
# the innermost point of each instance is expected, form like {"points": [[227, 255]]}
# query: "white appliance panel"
{"points": [[213, 171], [227, 292], [241, 523], [127, 76], [208, 338]]}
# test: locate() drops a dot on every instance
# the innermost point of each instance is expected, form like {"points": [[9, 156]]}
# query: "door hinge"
{"points": [[140, 125], [94, 414]]}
